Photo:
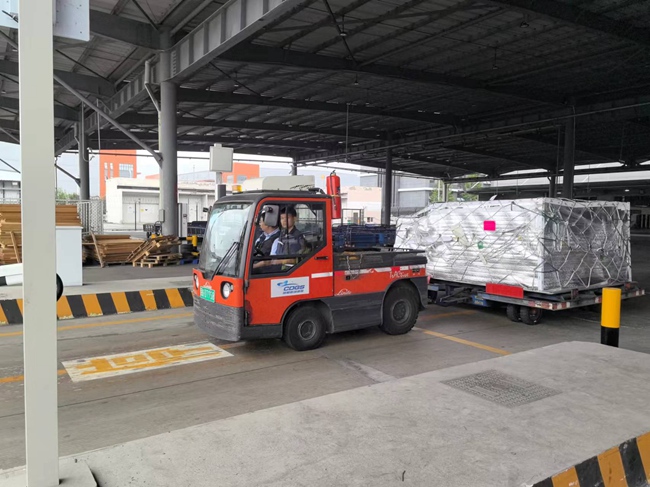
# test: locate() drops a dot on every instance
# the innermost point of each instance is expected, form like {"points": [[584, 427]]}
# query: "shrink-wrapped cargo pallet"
{"points": [[544, 245]]}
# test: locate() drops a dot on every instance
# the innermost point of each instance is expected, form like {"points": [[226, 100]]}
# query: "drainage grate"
{"points": [[501, 388]]}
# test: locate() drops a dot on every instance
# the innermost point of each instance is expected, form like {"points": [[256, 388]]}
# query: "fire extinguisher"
{"points": [[334, 190]]}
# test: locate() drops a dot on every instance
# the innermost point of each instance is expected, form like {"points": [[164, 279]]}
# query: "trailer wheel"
{"points": [[513, 312], [304, 329], [400, 311], [530, 316]]}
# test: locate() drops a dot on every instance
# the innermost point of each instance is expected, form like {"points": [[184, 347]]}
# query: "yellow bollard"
{"points": [[610, 321]]}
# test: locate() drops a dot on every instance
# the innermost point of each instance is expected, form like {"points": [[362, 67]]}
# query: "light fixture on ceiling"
{"points": [[627, 190], [342, 31], [356, 80], [524, 25]]}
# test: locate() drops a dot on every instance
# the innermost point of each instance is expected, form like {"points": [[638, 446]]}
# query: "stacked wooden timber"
{"points": [[111, 249], [157, 251], [11, 229]]}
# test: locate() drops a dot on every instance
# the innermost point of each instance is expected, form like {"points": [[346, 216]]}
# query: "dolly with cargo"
{"points": [[525, 255]]}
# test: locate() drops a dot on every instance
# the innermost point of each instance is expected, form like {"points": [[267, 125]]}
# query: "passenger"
{"points": [[291, 240]]}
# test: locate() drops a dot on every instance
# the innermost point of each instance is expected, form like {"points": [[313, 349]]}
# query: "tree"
{"points": [[459, 191], [62, 195]]}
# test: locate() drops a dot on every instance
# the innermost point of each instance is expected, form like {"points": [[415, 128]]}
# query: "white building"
{"points": [[137, 201], [361, 200], [9, 186]]}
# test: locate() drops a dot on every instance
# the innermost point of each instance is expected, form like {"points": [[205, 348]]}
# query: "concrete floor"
{"points": [[97, 274], [417, 431], [264, 374]]}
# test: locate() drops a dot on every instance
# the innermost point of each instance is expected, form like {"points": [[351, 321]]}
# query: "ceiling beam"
{"points": [[591, 150], [285, 57], [465, 168], [145, 120], [205, 96], [87, 84], [494, 155], [615, 111], [124, 30], [568, 13], [152, 137], [60, 111], [216, 34], [128, 144]]}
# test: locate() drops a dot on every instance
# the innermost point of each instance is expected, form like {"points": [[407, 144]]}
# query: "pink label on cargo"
{"points": [[489, 226]]}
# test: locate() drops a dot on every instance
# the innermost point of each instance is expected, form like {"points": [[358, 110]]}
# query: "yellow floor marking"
{"points": [[131, 362], [19, 302], [568, 478], [121, 304], [106, 323], [643, 442], [3, 317], [91, 303], [611, 468], [175, 299], [148, 300], [464, 342], [20, 378], [63, 310]]}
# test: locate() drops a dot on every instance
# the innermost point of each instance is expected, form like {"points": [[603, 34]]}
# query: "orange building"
{"points": [[116, 164], [241, 172]]}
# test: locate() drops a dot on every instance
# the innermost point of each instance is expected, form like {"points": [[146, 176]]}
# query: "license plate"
{"points": [[207, 294]]}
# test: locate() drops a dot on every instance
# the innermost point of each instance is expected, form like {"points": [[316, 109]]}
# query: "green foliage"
{"points": [[63, 195]]}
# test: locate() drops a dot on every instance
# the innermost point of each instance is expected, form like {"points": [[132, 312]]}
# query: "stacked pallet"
{"points": [[111, 249], [11, 229], [157, 251]]}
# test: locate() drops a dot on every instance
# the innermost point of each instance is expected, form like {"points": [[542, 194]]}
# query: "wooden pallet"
{"points": [[162, 263], [156, 251], [111, 249]]}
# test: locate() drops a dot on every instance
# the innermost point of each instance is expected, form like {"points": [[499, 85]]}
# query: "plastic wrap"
{"points": [[545, 245]]}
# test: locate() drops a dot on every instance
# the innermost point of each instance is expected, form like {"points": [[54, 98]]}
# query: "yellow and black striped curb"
{"points": [[103, 304], [627, 465]]}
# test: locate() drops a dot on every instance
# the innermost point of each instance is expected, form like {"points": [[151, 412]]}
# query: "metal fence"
{"points": [[91, 212]]}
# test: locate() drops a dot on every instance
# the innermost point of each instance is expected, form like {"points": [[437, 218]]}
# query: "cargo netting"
{"points": [[545, 245]]}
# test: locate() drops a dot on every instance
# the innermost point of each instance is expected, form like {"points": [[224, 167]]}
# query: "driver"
{"points": [[264, 243]]}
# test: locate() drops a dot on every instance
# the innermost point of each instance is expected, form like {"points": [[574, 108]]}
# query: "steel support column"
{"points": [[569, 158], [388, 188], [552, 186], [168, 144], [84, 159], [445, 192], [167, 138], [36, 95], [294, 169], [169, 183]]}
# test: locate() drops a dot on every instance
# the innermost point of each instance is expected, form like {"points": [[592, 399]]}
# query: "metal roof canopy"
{"points": [[458, 87]]}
